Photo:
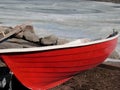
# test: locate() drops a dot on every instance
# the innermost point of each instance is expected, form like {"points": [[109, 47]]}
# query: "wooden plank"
{"points": [[10, 34]]}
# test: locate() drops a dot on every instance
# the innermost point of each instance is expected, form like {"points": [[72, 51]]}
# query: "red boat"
{"points": [[42, 68]]}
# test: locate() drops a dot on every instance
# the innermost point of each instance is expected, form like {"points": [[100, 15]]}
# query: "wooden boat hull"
{"points": [[41, 70]]}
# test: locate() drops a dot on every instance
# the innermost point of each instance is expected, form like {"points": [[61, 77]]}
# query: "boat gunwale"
{"points": [[64, 46]]}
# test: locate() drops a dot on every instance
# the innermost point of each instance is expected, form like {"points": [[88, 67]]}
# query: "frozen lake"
{"points": [[64, 18]]}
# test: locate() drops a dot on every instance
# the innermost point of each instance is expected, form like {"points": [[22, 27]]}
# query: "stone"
{"points": [[29, 28], [5, 29], [20, 34], [49, 40], [24, 28], [61, 41], [28, 35]]}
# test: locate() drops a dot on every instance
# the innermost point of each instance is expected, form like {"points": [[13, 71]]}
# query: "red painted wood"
{"points": [[46, 69]]}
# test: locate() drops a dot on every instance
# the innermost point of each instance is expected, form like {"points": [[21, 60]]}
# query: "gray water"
{"points": [[64, 18]]}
